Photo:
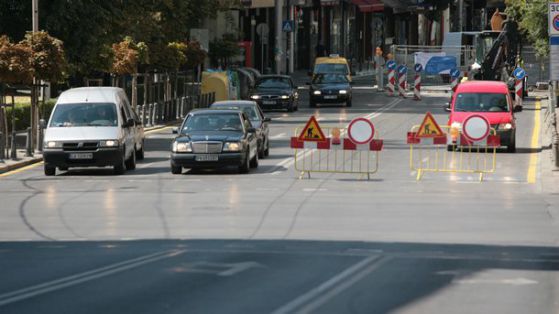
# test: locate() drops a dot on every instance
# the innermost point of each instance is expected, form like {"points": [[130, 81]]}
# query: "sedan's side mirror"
{"points": [[251, 130], [175, 130], [447, 107], [517, 109], [267, 119]]}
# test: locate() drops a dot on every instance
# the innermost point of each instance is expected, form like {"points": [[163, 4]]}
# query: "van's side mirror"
{"points": [[175, 130], [517, 109], [353, 73], [42, 123], [251, 130], [447, 107]]}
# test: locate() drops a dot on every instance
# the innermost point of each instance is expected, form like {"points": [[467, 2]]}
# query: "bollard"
{"points": [[401, 85], [2, 148], [42, 125], [28, 144], [13, 146], [519, 92], [391, 82], [143, 114]]}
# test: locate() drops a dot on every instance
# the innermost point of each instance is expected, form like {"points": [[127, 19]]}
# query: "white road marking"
{"points": [[278, 136], [73, 280], [322, 293]]}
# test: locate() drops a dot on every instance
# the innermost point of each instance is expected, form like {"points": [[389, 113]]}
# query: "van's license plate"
{"points": [[208, 157], [81, 156]]}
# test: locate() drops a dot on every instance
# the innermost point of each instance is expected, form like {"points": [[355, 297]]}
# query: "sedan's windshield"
{"points": [[481, 102], [84, 114], [274, 83], [250, 111], [213, 122], [330, 78], [339, 68]]}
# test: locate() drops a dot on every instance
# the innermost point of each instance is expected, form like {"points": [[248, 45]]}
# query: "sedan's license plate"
{"points": [[268, 102], [81, 156], [209, 157], [330, 97]]}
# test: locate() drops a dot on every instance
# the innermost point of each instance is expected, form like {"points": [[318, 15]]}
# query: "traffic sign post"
{"points": [[519, 75], [417, 82], [391, 65]]}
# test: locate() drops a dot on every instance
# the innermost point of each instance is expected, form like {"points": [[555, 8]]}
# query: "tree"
{"points": [[127, 55], [532, 22], [195, 55], [48, 61], [222, 49], [15, 62]]}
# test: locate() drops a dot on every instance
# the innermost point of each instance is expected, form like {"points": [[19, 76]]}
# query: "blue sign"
{"points": [[391, 64], [418, 67], [438, 64], [455, 73], [402, 69], [519, 73], [287, 26]]}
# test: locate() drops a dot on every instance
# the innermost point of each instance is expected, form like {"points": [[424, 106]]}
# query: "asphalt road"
{"points": [[86, 241]]}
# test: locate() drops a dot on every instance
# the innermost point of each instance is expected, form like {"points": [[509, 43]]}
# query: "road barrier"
{"points": [[338, 153], [417, 82], [436, 155], [391, 65]]}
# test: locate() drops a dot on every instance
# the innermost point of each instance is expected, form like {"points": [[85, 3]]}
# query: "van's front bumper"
{"points": [[101, 157]]}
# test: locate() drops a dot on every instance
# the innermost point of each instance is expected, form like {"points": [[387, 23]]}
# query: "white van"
{"points": [[93, 127]]}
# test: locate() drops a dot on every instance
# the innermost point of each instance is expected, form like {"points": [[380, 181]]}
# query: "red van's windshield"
{"points": [[481, 102]]}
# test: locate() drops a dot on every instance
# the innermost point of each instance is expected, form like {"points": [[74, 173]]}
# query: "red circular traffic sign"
{"points": [[361, 131], [476, 128]]}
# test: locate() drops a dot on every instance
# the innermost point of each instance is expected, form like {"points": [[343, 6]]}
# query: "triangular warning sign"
{"points": [[429, 127], [312, 132]]}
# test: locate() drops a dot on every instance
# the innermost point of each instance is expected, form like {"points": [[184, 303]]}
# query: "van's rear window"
{"points": [[90, 114]]}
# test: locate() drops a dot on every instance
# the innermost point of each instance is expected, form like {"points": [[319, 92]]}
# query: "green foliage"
{"points": [[222, 49], [127, 55], [22, 114], [532, 21], [195, 55]]}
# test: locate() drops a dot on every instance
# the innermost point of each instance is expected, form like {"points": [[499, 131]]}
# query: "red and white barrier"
{"points": [[402, 85], [417, 87], [519, 91], [391, 82]]}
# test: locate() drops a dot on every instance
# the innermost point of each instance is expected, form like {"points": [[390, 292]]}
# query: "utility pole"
{"points": [[34, 96], [278, 49], [460, 15], [292, 39]]}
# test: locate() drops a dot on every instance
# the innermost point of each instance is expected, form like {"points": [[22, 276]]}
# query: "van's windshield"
{"points": [[80, 114]]}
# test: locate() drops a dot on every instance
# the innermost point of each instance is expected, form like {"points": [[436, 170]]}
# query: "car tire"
{"points": [[261, 154], [511, 148], [245, 167], [131, 162], [49, 170], [176, 169], [267, 149], [140, 153], [450, 148], [254, 161], [120, 167], [63, 168]]}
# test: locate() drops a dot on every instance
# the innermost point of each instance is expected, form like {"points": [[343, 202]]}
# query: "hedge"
{"points": [[22, 113]]}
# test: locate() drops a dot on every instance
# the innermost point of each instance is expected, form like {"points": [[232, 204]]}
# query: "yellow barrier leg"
{"points": [[419, 173]]}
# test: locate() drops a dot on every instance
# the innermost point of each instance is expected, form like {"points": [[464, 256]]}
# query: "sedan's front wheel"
{"points": [[176, 169], [245, 167]]}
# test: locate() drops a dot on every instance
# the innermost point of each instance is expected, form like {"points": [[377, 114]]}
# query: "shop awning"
{"points": [[253, 4], [369, 5]]}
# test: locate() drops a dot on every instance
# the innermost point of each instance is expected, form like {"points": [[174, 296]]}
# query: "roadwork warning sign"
{"points": [[312, 132], [429, 127]]}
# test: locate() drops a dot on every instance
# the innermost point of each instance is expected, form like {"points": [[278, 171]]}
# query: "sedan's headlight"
{"points": [[179, 147], [505, 126], [317, 92], [284, 96], [343, 92], [232, 147], [255, 97], [109, 143], [52, 144]]}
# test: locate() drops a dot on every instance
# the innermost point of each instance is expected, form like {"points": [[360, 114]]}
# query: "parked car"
{"points": [[215, 138], [330, 88], [257, 118], [276, 92], [490, 99], [93, 127]]}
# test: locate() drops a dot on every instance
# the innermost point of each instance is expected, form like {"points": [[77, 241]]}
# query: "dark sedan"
{"points": [[214, 138], [257, 118], [330, 88], [276, 92]]}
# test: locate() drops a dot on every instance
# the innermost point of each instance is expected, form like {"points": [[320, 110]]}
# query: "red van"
{"points": [[490, 99]]}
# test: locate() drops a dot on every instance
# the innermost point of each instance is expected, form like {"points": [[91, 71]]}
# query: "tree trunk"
{"points": [[134, 91]]}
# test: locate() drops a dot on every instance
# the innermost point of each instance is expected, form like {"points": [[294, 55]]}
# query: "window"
{"points": [[274, 83], [212, 122], [481, 102], [84, 114]]}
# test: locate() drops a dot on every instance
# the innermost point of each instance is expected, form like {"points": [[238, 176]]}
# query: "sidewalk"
{"points": [[21, 161]]}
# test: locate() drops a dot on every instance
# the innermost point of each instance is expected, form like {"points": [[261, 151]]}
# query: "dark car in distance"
{"points": [[215, 138], [276, 92], [330, 88], [257, 118]]}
